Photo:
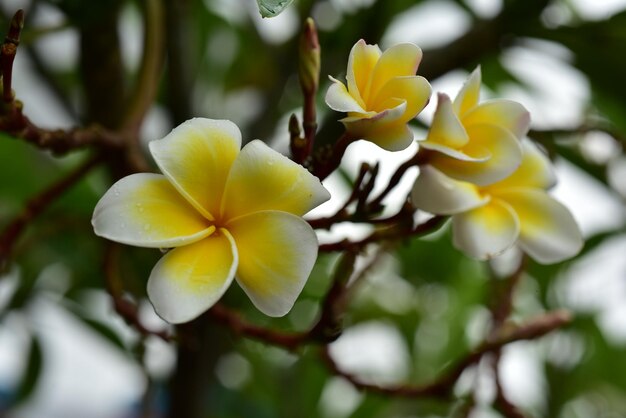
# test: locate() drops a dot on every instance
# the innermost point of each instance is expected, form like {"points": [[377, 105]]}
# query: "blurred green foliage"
{"points": [[434, 297]]}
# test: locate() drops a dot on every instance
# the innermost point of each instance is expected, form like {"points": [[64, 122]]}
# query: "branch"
{"points": [[35, 206], [386, 234], [124, 307], [442, 387], [326, 329], [151, 65], [7, 54], [16, 124]]}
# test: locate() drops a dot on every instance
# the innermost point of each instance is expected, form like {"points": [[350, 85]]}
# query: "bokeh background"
{"points": [[64, 353]]}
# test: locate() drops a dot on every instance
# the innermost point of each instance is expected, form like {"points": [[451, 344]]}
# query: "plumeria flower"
{"points": [[382, 95], [226, 213], [486, 220], [476, 142]]}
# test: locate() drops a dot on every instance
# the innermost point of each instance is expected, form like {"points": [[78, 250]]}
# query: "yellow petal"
{"points": [[535, 171], [189, 280], [361, 63], [146, 210], [413, 89], [446, 128], [277, 251], [504, 148], [196, 157], [469, 94], [397, 61], [263, 179], [504, 113], [386, 129], [549, 233], [438, 194], [338, 98], [486, 231]]}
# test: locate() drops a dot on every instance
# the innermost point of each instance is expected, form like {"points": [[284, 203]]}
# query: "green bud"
{"points": [[309, 65]]}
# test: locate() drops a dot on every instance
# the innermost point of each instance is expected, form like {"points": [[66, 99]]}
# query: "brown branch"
{"points": [[327, 159], [124, 307], [151, 65], [326, 329], [7, 54], [16, 124], [36, 205], [442, 387], [309, 74], [288, 340], [385, 234]]}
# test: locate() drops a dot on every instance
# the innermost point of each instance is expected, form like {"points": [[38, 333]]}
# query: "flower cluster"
{"points": [[479, 167], [229, 214]]}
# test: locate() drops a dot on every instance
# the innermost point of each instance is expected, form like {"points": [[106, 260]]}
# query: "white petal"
{"points": [[263, 179], [549, 233], [147, 211], [486, 231], [439, 194], [196, 156], [277, 251], [189, 280], [338, 98]]}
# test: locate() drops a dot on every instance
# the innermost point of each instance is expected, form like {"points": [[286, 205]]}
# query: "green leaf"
{"points": [[31, 374], [272, 8]]}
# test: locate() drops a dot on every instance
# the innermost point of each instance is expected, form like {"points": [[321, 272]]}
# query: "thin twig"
{"points": [[124, 307], [7, 54], [442, 386], [386, 234], [36, 205], [151, 65], [59, 141]]}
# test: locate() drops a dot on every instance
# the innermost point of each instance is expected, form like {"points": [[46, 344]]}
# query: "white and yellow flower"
{"points": [[226, 213], [486, 220], [382, 95], [476, 142]]}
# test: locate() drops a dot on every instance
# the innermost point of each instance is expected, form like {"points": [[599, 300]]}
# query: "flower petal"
{"points": [[446, 128], [439, 194], [361, 63], [189, 280], [146, 210], [469, 94], [486, 231], [505, 113], [358, 124], [196, 156], [277, 251], [338, 98], [399, 60], [263, 179], [535, 171], [386, 129], [415, 90], [455, 154], [506, 156], [549, 233]]}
